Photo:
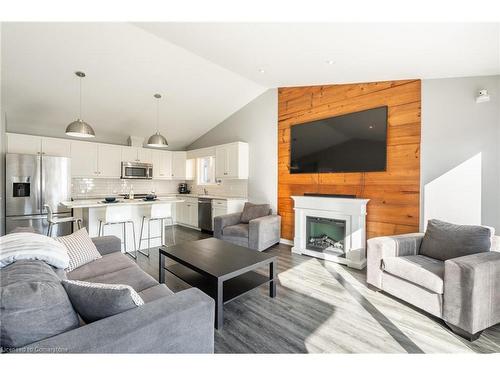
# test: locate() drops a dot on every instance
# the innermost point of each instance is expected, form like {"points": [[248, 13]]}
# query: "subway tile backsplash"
{"points": [[83, 188], [227, 188]]}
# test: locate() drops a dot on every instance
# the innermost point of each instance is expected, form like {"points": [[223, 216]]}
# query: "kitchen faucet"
{"points": [[205, 191]]}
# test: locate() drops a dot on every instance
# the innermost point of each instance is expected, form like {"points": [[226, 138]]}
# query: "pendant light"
{"points": [[80, 128], [157, 140]]}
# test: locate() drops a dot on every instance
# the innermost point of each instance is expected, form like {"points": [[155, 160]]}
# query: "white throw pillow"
{"points": [[81, 249], [32, 246]]}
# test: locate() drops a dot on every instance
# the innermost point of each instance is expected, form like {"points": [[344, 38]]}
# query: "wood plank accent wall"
{"points": [[395, 194]]}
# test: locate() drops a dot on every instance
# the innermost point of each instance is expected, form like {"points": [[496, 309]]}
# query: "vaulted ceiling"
{"points": [[125, 66], [207, 71]]}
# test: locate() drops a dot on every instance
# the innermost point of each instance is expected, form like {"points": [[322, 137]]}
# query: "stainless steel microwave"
{"points": [[138, 171]]}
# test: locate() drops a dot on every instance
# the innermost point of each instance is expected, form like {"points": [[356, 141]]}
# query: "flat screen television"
{"points": [[355, 142]]}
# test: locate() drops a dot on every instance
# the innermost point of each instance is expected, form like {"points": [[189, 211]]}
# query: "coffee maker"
{"points": [[183, 188]]}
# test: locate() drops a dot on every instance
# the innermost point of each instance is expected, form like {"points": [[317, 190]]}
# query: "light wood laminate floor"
{"points": [[323, 307]]}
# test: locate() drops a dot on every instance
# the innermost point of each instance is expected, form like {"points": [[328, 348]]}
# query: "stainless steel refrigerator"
{"points": [[31, 182]]}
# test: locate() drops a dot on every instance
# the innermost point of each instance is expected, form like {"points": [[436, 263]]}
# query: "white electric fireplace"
{"points": [[331, 228]]}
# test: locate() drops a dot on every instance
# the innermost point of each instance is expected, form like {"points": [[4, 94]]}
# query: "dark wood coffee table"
{"points": [[222, 270]]}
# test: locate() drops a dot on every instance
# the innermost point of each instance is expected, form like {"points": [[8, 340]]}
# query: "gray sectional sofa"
{"points": [[167, 323], [462, 288]]}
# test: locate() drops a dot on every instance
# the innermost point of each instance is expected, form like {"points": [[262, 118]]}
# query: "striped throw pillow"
{"points": [[81, 249]]}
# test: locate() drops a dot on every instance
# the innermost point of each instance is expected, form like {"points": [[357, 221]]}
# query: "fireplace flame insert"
{"points": [[325, 234]]}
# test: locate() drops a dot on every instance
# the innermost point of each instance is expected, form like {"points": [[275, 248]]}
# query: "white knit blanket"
{"points": [[32, 246]]}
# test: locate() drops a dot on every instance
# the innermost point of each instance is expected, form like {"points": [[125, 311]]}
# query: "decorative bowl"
{"points": [[110, 199]]}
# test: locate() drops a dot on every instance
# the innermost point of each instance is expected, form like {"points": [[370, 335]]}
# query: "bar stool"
{"points": [[59, 220], [119, 215], [158, 212]]}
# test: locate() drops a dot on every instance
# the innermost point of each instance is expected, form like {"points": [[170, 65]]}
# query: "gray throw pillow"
{"points": [[33, 304], [253, 211], [94, 301], [445, 241]]}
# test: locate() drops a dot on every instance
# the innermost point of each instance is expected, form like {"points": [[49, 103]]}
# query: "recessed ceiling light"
{"points": [[371, 126], [330, 62], [261, 71]]}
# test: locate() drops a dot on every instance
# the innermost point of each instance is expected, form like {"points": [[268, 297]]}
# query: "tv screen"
{"points": [[355, 142]]}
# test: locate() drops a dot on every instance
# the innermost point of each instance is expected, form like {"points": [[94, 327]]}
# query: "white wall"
{"points": [[2, 150], [256, 124], [460, 157]]}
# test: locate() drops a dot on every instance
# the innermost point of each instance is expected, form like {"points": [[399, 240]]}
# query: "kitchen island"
{"points": [[90, 210]]}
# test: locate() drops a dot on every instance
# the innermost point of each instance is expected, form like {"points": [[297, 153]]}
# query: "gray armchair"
{"points": [[464, 291], [258, 233]]}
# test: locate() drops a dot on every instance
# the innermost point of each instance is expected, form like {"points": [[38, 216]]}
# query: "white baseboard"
{"points": [[286, 242]]}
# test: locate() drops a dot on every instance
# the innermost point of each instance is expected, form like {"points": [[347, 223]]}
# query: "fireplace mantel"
{"points": [[351, 210]]}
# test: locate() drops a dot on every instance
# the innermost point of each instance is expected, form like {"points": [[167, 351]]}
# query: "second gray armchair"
{"points": [[451, 272], [255, 227]]}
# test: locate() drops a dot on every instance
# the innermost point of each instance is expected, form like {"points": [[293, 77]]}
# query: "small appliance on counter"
{"points": [[183, 188]]}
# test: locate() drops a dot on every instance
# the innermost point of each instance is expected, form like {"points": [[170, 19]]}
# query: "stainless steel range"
{"points": [[31, 182]]}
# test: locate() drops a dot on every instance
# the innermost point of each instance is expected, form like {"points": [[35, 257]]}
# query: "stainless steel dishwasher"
{"points": [[205, 214]]}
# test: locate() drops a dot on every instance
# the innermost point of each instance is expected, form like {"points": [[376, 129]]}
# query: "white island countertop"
{"points": [[94, 203]]}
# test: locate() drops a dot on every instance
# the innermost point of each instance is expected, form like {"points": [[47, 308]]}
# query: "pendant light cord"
{"points": [[157, 115], [80, 115]]}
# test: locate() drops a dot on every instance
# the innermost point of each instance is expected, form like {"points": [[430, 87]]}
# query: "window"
{"points": [[206, 170]]}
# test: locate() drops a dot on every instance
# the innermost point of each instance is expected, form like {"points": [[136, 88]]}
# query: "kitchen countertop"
{"points": [[167, 198], [94, 203], [168, 195], [210, 196]]}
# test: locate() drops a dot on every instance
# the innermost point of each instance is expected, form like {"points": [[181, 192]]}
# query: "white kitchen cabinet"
{"points": [[226, 206], [180, 213], [162, 164], [136, 154], [23, 144], [144, 155], [192, 213], [109, 159], [190, 169], [218, 211], [56, 147], [34, 145], [231, 161], [179, 165], [84, 159], [129, 154], [187, 212]]}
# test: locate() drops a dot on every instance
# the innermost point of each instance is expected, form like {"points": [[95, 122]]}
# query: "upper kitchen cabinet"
{"points": [[109, 159], [56, 147], [84, 159], [179, 165], [145, 155], [23, 144], [136, 154], [162, 164], [231, 161], [35, 145]]}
